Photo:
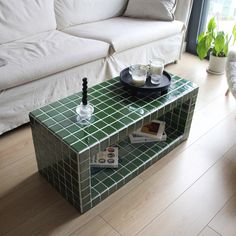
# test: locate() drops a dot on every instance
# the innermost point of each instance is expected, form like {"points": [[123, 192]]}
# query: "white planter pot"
{"points": [[217, 65]]}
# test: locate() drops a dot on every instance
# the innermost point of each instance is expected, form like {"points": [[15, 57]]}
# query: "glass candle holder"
{"points": [[156, 70], [139, 74], [84, 113]]}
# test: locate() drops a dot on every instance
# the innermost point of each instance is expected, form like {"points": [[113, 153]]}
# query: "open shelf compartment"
{"points": [[135, 158]]}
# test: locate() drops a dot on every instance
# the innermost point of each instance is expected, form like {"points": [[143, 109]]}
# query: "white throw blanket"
{"points": [[231, 72]]}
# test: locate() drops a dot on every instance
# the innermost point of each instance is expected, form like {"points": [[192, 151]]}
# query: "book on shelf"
{"points": [[137, 138], [151, 132], [106, 159], [154, 129]]}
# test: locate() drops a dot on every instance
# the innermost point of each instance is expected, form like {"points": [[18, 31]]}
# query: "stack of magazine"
{"points": [[106, 159], [151, 132]]}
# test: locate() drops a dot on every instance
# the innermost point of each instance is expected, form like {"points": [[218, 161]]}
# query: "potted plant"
{"points": [[217, 44]]}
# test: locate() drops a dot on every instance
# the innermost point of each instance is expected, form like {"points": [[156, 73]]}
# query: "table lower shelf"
{"points": [[133, 159]]}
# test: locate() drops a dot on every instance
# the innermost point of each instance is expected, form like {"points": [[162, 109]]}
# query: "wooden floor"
{"points": [[191, 191]]}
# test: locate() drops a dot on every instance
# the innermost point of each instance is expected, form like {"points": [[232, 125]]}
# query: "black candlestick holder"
{"points": [[84, 110]]}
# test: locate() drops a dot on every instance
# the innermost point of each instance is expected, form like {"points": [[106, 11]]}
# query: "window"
{"points": [[224, 12]]}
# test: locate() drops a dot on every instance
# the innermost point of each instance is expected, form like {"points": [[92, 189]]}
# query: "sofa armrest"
{"points": [[183, 11]]}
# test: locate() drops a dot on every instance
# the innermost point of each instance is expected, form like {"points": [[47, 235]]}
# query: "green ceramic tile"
{"points": [[56, 128], [73, 128], [117, 115], [63, 133], [61, 109], [116, 177], [36, 113], [134, 116], [100, 188], [101, 176], [101, 115], [71, 105], [94, 193], [100, 107], [94, 181], [46, 108], [100, 124], [70, 139], [117, 125], [66, 123], [108, 182], [89, 140], [117, 106], [126, 120], [81, 134], [109, 110], [59, 118], [69, 113], [53, 113], [79, 146], [123, 172], [109, 119], [99, 135], [49, 122], [108, 130], [43, 117]]}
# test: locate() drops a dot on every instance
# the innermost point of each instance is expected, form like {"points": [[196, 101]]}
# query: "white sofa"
{"points": [[50, 45]]}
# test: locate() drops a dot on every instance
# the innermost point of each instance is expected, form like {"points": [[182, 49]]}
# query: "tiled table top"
{"points": [[114, 108]]}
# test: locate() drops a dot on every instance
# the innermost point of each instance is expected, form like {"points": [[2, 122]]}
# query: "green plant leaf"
{"points": [[226, 49], [209, 39], [211, 25], [200, 36], [202, 48], [234, 33], [219, 43]]}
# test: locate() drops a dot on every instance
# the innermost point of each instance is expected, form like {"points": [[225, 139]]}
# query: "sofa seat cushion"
{"points": [[45, 54], [124, 32]]}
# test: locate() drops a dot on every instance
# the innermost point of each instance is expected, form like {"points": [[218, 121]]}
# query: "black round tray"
{"points": [[148, 87]]}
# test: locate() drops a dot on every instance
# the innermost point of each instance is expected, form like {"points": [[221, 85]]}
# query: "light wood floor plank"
{"points": [[15, 145], [31, 197], [197, 206], [52, 220], [67, 219], [208, 232], [162, 188], [97, 226], [225, 221], [13, 175]]}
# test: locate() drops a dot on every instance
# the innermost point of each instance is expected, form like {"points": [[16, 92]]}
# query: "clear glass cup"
{"points": [[156, 70], [139, 74]]}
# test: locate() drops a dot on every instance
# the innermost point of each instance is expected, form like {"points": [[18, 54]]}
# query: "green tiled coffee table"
{"points": [[63, 147]]}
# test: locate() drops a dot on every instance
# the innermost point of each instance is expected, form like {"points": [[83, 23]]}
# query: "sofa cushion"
{"points": [[45, 54], [22, 18], [74, 12], [124, 32], [151, 9]]}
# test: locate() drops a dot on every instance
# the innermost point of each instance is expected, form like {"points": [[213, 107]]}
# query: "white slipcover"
{"points": [[183, 10], [17, 102], [21, 18], [74, 12], [124, 32], [45, 54]]}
